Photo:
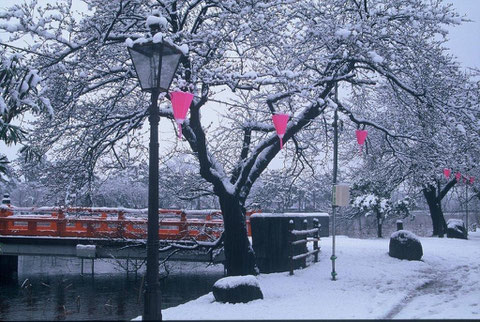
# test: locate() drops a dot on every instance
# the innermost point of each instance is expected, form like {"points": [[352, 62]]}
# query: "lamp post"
{"points": [[155, 64]]}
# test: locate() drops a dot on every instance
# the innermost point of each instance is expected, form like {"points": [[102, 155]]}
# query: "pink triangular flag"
{"points": [[458, 175], [446, 173], [280, 122], [361, 137], [472, 179], [180, 103]]}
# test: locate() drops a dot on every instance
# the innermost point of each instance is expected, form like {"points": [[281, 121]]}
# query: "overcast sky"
{"points": [[465, 39], [464, 42]]}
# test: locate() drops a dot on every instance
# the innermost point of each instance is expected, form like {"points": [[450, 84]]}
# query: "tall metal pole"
{"points": [[335, 168], [152, 307]]}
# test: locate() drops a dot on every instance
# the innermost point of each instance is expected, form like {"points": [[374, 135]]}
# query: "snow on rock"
{"points": [[456, 229], [237, 289], [403, 235], [454, 223], [234, 281], [405, 245]]}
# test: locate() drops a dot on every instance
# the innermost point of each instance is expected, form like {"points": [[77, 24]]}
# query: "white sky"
{"points": [[464, 43]]}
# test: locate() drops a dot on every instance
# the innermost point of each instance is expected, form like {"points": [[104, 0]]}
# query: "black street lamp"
{"points": [[155, 65]]}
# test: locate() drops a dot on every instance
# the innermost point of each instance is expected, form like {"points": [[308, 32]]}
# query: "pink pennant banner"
{"points": [[472, 179], [181, 102], [280, 122], [361, 137], [447, 172], [458, 175]]}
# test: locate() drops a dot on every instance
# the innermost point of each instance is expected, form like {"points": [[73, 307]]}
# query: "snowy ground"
{"points": [[370, 285]]}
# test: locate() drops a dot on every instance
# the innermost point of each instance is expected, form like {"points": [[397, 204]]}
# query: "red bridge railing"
{"points": [[201, 225]]}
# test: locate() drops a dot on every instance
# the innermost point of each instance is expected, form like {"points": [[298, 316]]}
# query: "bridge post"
{"points": [[8, 268]]}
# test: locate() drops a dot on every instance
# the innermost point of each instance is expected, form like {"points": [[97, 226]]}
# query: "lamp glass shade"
{"points": [[155, 64]]}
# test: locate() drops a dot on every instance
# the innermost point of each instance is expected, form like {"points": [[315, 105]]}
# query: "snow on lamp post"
{"points": [[180, 103], [361, 136], [155, 64], [280, 121]]}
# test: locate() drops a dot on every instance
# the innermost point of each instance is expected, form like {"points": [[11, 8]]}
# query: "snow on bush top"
{"points": [[453, 223], [234, 281], [404, 235]]}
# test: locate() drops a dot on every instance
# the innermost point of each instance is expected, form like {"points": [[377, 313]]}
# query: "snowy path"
{"points": [[370, 285], [453, 291]]}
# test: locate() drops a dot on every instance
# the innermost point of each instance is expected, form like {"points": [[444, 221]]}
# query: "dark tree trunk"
{"points": [[240, 258], [435, 206], [379, 225]]}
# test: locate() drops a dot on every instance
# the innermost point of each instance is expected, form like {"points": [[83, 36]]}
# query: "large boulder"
{"points": [[405, 245], [237, 289], [456, 229]]}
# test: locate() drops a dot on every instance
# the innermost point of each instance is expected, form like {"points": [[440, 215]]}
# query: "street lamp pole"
{"points": [[155, 64], [335, 170], [152, 306]]}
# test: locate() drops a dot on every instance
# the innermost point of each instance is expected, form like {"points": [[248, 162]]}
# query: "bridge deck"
{"points": [[102, 248]]}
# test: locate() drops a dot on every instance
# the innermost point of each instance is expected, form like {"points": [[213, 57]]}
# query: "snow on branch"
{"points": [[342, 108]]}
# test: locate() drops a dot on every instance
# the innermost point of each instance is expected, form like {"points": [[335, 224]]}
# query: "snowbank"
{"points": [[370, 285]]}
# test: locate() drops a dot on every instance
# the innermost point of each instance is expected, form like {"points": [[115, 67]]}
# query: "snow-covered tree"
{"points": [[19, 94], [275, 56], [375, 199]]}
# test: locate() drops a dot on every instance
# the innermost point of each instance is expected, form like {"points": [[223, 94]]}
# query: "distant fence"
{"points": [[306, 235]]}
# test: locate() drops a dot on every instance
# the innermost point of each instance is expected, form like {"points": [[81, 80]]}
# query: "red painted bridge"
{"points": [[107, 233], [174, 224]]}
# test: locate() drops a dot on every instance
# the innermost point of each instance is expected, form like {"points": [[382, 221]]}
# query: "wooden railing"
{"points": [[307, 235], [201, 225]]}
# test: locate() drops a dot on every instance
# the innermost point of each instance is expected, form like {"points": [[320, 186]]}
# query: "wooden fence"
{"points": [[306, 235]]}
